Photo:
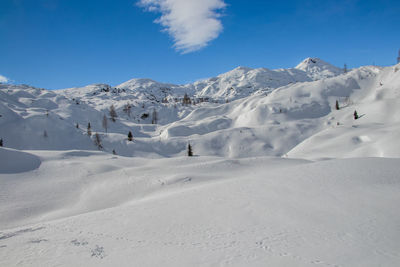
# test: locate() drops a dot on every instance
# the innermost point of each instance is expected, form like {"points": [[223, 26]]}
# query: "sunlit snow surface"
{"points": [[279, 177]]}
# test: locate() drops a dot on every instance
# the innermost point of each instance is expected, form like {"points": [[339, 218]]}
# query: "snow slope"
{"points": [[15, 161], [200, 211]]}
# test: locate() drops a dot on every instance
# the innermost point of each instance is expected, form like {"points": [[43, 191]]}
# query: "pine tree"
{"points": [[337, 105], [105, 123], [89, 129], [355, 115], [114, 153], [130, 136], [113, 113], [189, 150], [77, 126], [97, 141], [1, 141]]}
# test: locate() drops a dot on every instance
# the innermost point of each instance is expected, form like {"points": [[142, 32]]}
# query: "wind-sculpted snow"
{"points": [[94, 209], [14, 161]]}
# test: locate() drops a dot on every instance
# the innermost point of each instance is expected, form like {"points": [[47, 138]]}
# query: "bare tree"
{"points": [[113, 113], [127, 109], [97, 141], [186, 100], [154, 117], [398, 58], [105, 123]]}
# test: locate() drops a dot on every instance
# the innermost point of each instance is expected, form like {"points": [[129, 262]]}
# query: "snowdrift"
{"points": [[14, 161]]}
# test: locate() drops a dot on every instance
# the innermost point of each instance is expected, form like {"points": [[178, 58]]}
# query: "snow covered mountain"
{"points": [[280, 176], [241, 113]]}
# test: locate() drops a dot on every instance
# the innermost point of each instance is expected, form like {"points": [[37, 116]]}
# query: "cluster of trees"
{"points": [[113, 116]]}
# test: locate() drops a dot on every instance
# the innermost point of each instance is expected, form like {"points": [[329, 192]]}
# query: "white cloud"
{"points": [[191, 23], [4, 79]]}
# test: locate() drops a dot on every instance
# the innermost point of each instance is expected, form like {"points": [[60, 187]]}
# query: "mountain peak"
{"points": [[317, 69]]}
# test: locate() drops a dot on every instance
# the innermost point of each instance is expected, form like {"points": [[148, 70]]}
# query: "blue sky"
{"points": [[66, 43]]}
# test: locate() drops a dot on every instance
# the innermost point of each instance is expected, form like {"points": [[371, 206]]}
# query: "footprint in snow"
{"points": [[76, 242], [98, 252]]}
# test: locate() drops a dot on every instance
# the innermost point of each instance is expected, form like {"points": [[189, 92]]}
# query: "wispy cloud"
{"points": [[4, 79], [191, 23]]}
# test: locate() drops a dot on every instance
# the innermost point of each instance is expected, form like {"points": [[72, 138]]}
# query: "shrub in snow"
{"points": [[45, 134], [130, 136], [1, 142], [337, 105]]}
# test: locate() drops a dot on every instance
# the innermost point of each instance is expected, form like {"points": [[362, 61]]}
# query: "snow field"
{"points": [[202, 212]]}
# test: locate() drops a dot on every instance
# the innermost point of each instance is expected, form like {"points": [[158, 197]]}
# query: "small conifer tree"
{"points": [[114, 153], [1, 141], [356, 115], [189, 150], [77, 126], [130, 136], [337, 105], [89, 129], [45, 134]]}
